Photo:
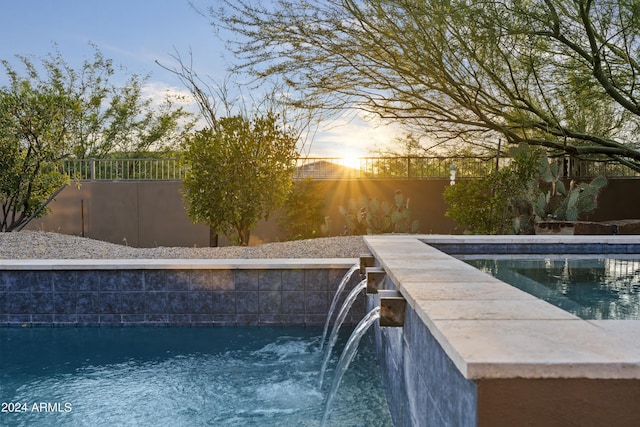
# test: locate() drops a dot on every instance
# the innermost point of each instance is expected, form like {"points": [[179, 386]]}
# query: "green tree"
{"points": [[242, 163], [238, 173], [401, 158], [470, 205], [109, 119], [34, 126], [500, 202], [52, 112], [561, 74]]}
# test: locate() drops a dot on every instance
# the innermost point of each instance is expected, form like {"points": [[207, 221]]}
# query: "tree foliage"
{"points": [[107, 118], [241, 165], [238, 173], [34, 125], [561, 74], [511, 200], [50, 112], [499, 203]]}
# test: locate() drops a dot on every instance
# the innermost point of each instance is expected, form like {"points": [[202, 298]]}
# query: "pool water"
{"points": [[180, 377], [590, 288]]}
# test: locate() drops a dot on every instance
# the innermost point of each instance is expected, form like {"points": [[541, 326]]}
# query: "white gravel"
{"points": [[46, 245]]}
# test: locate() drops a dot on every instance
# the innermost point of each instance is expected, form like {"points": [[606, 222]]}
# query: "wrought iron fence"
{"points": [[393, 167], [583, 168], [337, 168], [124, 169]]}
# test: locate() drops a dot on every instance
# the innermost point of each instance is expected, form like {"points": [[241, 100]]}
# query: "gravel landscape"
{"points": [[47, 245]]}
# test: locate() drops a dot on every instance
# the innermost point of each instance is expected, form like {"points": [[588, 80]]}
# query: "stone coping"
{"points": [[175, 264], [536, 239], [492, 330]]}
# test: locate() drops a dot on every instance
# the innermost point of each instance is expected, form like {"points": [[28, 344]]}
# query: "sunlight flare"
{"points": [[351, 161]]}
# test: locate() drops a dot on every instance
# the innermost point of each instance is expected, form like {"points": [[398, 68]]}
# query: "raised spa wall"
{"points": [[171, 292], [474, 351]]}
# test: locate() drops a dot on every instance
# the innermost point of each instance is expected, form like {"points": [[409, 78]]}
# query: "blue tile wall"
{"points": [[423, 386], [538, 248], [120, 297]]}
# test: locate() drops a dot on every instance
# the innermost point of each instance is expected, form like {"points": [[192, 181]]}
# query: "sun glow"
{"points": [[351, 161]]}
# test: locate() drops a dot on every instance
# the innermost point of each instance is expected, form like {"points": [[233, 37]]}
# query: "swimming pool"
{"points": [[591, 287], [175, 376]]}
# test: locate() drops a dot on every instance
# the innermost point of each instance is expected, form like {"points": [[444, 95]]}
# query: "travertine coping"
{"points": [[490, 329], [175, 264], [537, 239]]}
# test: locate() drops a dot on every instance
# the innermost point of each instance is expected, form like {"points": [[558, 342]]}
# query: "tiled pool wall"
{"points": [[422, 385], [473, 248], [246, 293], [468, 375]]}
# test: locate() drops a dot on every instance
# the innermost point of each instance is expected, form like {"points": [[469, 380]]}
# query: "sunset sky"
{"points": [[136, 33]]}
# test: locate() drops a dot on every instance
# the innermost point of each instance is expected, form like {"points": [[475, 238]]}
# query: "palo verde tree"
{"points": [[560, 74], [238, 173], [109, 118], [50, 112]]}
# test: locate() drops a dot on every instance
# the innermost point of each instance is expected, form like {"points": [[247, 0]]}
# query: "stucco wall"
{"points": [[152, 213]]}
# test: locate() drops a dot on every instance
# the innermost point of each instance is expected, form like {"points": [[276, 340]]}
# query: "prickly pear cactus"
{"points": [[372, 216], [584, 198], [560, 203]]}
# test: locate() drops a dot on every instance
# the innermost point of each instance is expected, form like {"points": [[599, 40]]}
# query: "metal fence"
{"points": [[338, 168], [584, 168], [124, 169], [393, 167]]}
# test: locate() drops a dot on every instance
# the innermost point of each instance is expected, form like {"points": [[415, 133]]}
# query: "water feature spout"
{"points": [[375, 279], [347, 356], [342, 314], [392, 309], [334, 302], [366, 261]]}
